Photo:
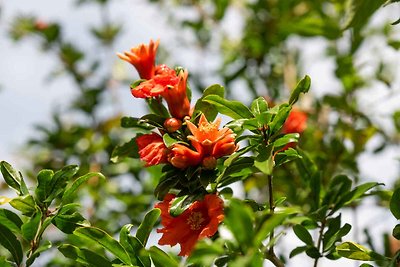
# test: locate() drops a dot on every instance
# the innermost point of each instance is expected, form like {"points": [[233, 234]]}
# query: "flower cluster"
{"points": [[199, 144]]}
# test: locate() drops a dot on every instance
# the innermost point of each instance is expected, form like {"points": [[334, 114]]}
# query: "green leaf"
{"points": [[302, 87], [169, 141], [161, 259], [259, 105], [145, 228], [105, 240], [395, 203], [157, 107], [13, 178], [42, 190], [67, 196], [206, 108], [31, 227], [233, 109], [45, 246], [130, 122], [297, 251], [4, 262], [205, 252], [396, 232], [355, 251], [303, 234], [131, 244], [239, 219], [10, 220], [67, 220], [264, 160], [360, 11], [11, 243], [25, 204], [286, 139], [277, 122], [129, 149], [84, 256], [59, 181]]}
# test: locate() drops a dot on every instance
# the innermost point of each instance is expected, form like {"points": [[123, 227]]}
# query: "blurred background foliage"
{"points": [[258, 48]]}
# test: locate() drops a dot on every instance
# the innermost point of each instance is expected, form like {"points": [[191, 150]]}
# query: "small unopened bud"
{"points": [[209, 163], [41, 25], [172, 125]]}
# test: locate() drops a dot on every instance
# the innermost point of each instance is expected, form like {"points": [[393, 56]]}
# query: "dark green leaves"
{"points": [[10, 220], [303, 234], [129, 149], [84, 256], [11, 243], [395, 204], [264, 161], [105, 240]]}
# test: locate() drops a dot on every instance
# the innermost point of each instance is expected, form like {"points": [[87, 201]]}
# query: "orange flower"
{"points": [[182, 157], [152, 149], [142, 58], [163, 79], [296, 122], [211, 141], [176, 97], [198, 221]]}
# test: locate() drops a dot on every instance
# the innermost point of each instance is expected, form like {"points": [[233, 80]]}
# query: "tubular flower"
{"points": [[182, 157], [198, 221], [176, 97], [211, 141], [163, 79], [152, 149], [142, 58]]}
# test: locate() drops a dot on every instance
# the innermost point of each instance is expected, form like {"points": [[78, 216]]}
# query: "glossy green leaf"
{"points": [[239, 219], [130, 122], [169, 141], [161, 259], [157, 107], [25, 204], [286, 139], [355, 251], [179, 205], [131, 245], [68, 194], [297, 251], [145, 228], [67, 220], [13, 178], [31, 227], [264, 160], [11, 243], [396, 232], [84, 256], [105, 240], [302, 87], [208, 109], [10, 220], [59, 181], [259, 105], [233, 109], [129, 149], [277, 122], [42, 190], [395, 203], [303, 234]]}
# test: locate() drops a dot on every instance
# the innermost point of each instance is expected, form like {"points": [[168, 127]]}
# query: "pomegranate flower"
{"points": [[176, 97], [198, 221], [152, 149], [211, 140], [210, 143], [296, 122], [163, 78], [142, 58]]}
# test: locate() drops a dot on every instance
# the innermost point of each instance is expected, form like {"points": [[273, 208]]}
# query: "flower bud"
{"points": [[209, 163], [172, 125]]}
